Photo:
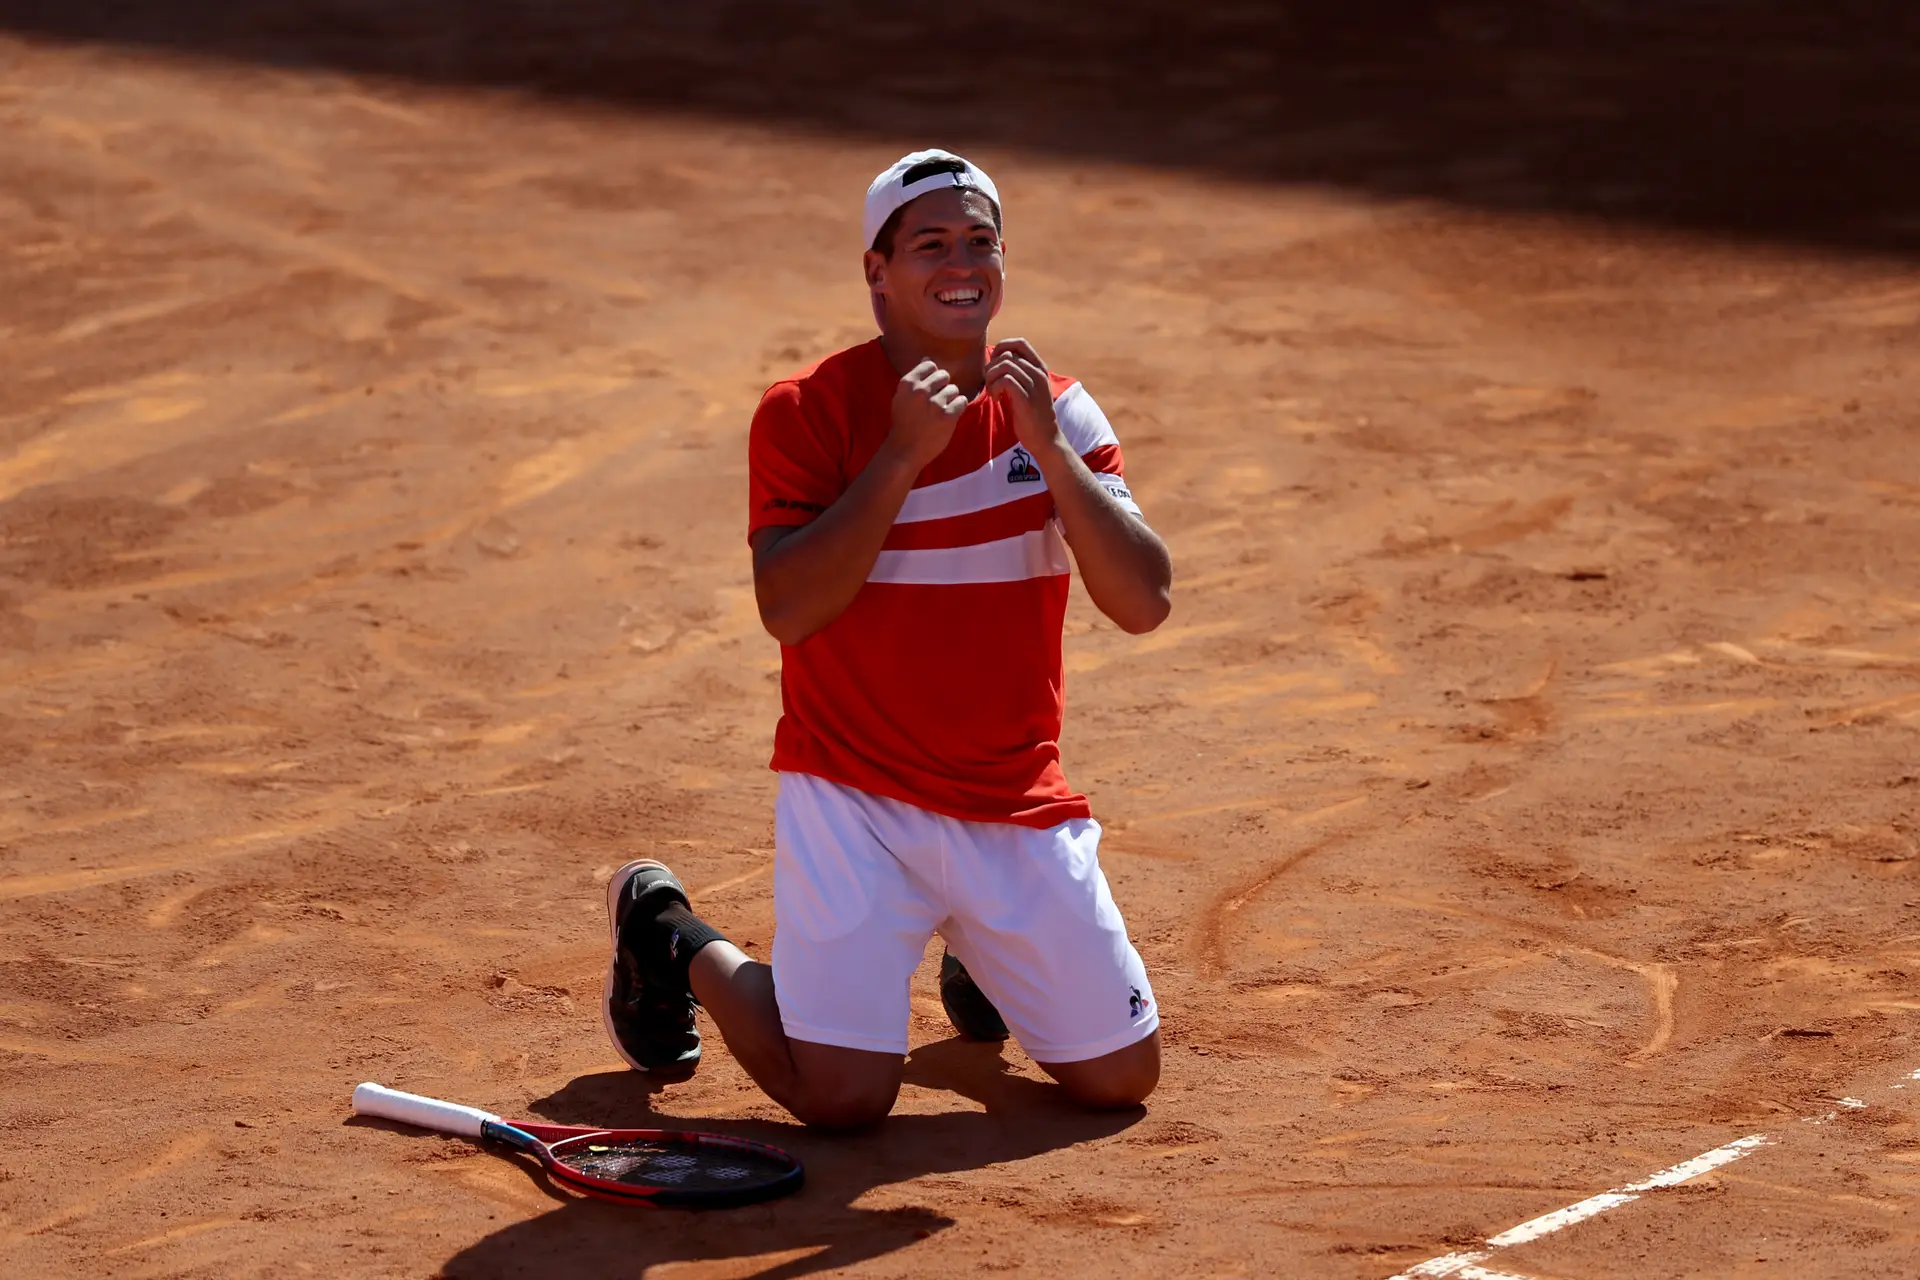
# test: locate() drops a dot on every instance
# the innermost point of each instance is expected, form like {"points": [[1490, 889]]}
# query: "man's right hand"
{"points": [[806, 577], [926, 408]]}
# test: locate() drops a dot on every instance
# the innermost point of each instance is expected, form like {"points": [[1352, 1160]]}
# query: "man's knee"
{"points": [[1123, 1078], [844, 1104], [1116, 1091], [1115, 1095], [843, 1088]]}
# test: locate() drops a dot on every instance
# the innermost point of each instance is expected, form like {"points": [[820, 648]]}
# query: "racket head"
{"points": [[666, 1167]]}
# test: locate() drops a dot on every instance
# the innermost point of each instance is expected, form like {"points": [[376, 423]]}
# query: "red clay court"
{"points": [[1528, 395]]}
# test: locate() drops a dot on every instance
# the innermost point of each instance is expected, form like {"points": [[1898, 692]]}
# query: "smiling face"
{"points": [[943, 279]]}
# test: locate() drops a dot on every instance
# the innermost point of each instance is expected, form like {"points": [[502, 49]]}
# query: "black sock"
{"points": [[674, 938]]}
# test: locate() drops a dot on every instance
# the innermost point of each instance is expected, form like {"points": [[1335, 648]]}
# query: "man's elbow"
{"points": [[782, 626], [777, 616], [1147, 613]]}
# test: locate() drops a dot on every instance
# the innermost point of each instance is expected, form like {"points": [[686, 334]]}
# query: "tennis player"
{"points": [[913, 501]]}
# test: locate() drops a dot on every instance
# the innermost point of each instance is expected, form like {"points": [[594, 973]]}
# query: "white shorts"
{"points": [[862, 883]]}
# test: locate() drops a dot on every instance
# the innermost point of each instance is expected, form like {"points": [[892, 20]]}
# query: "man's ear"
{"points": [[875, 267], [1000, 298]]}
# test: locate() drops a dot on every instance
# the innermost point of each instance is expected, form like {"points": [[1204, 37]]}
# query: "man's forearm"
{"points": [[805, 577], [1125, 566]]}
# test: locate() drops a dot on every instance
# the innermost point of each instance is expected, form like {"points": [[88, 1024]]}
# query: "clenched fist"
{"points": [[926, 408], [1017, 378]]}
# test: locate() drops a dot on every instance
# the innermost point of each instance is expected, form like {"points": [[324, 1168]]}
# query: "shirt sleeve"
{"points": [[792, 473], [1092, 437]]}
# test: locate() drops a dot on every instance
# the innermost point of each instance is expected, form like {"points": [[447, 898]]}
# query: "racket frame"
{"points": [[540, 1141], [548, 1144]]}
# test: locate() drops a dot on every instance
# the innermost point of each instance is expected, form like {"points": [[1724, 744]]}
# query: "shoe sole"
{"points": [[616, 885]]}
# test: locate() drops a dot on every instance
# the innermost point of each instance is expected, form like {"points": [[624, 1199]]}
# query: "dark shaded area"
{"points": [[1794, 120], [590, 1238]]}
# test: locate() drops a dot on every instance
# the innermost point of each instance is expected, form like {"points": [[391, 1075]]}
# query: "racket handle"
{"points": [[426, 1113]]}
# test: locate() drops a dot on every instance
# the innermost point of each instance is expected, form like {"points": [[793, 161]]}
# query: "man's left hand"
{"points": [[1017, 378]]}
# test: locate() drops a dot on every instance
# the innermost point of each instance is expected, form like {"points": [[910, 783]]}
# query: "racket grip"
{"points": [[371, 1099]]}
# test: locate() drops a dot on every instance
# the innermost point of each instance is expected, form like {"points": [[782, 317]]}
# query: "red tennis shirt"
{"points": [[941, 684]]}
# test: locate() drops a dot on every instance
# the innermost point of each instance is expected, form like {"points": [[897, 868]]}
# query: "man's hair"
{"points": [[884, 238]]}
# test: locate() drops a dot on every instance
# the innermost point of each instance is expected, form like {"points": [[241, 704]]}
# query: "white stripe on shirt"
{"points": [[1082, 421], [1039, 554], [986, 487], [978, 490]]}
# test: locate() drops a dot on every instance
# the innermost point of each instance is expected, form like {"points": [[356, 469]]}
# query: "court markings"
{"points": [[1465, 1265]]}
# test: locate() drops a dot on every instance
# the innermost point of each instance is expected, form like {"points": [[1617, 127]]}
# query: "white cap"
{"points": [[891, 189]]}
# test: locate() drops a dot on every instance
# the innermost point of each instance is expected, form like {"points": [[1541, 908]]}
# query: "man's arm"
{"points": [[805, 576], [1126, 568]]}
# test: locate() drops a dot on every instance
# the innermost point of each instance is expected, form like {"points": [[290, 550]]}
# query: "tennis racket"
{"points": [[632, 1166]]}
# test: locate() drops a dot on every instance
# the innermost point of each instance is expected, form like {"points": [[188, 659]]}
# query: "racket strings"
{"points": [[679, 1165]]}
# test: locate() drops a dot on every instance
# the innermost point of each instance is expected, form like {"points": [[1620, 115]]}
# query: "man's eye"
{"points": [[928, 246]]}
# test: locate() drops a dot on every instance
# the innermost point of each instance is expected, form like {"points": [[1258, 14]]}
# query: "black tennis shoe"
{"points": [[967, 1006], [650, 1023]]}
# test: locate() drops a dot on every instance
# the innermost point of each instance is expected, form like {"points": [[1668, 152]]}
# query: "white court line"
{"points": [[1687, 1170], [1849, 1103], [1447, 1264], [1465, 1265], [1560, 1219]]}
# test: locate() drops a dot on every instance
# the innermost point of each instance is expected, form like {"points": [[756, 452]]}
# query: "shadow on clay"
{"points": [[821, 1227], [1790, 121]]}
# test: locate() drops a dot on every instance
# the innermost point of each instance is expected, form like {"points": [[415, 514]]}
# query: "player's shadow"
{"points": [[818, 1229]]}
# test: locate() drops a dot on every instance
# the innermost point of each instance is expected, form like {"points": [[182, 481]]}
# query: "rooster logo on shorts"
{"points": [[1136, 1003]]}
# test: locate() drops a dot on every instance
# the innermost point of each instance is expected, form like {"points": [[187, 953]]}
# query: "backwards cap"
{"points": [[912, 176]]}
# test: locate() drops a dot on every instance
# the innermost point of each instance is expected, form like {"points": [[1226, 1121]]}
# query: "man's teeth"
{"points": [[958, 295]]}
